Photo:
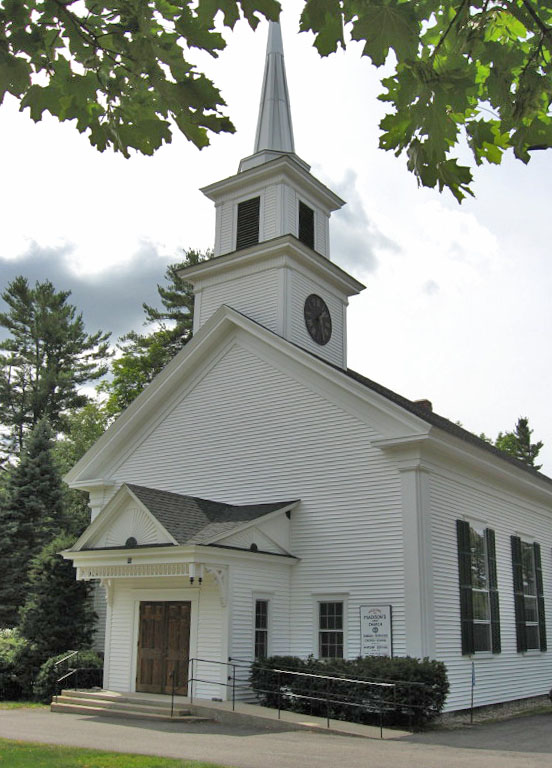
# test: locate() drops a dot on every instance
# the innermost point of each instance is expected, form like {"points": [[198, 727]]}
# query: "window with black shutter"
{"points": [[248, 223], [306, 225], [479, 603], [528, 595]]}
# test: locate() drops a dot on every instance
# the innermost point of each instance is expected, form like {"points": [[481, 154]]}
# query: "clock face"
{"points": [[318, 319]]}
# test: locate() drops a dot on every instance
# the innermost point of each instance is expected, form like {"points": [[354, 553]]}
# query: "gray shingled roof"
{"points": [[191, 520]]}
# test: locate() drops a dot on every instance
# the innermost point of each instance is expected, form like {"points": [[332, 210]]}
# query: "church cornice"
{"points": [[286, 248], [284, 168]]}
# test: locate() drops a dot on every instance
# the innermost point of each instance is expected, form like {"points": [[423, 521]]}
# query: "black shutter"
{"points": [[540, 597], [493, 591], [306, 225], [519, 604], [465, 581], [248, 223]]}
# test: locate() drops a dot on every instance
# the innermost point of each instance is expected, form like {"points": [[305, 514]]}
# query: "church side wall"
{"points": [[509, 674], [249, 432]]}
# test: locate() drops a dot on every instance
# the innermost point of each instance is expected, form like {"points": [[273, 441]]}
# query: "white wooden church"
{"points": [[261, 498]]}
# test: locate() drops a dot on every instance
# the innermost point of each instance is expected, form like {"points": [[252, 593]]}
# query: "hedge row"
{"points": [[25, 675], [414, 693]]}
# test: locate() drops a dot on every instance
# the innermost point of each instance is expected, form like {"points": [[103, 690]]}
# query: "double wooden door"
{"points": [[163, 647]]}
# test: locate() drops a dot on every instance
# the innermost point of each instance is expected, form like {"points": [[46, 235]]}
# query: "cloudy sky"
{"points": [[457, 306]]}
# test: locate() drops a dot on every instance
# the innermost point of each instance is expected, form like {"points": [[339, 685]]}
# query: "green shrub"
{"points": [[88, 663], [414, 692], [11, 647]]}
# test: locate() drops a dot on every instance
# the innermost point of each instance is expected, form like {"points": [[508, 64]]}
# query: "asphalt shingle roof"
{"points": [[191, 520]]}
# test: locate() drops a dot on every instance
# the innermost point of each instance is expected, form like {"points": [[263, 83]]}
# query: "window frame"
{"points": [[245, 199], [519, 545], [468, 622], [310, 208], [319, 599], [265, 598]]}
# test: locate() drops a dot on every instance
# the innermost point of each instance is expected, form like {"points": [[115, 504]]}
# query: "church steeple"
{"points": [[274, 127], [272, 236]]}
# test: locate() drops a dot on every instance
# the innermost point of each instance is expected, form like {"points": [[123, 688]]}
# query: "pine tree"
{"points": [[144, 355], [518, 443], [57, 614], [31, 513], [45, 360]]}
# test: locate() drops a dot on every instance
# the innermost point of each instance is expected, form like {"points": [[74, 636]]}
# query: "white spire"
{"points": [[274, 129]]}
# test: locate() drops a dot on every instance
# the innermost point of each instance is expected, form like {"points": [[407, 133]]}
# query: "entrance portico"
{"points": [[167, 599]]}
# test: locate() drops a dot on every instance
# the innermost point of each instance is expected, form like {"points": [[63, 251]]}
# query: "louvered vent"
{"points": [[306, 225], [248, 223]]}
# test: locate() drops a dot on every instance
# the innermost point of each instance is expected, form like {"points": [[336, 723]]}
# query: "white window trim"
{"points": [[329, 597], [242, 199], [269, 597], [529, 540]]}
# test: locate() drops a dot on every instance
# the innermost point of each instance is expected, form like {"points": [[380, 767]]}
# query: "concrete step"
{"points": [[124, 706], [121, 698], [91, 709]]}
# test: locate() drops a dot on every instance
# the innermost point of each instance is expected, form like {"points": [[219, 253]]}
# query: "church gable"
{"points": [[124, 522], [251, 538]]}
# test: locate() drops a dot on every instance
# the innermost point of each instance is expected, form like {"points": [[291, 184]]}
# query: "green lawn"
{"points": [[22, 705], [23, 754]]}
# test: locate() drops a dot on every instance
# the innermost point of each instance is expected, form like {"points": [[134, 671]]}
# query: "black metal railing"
{"points": [[334, 695], [88, 677], [328, 696]]}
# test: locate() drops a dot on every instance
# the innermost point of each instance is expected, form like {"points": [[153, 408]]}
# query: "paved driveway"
{"points": [[521, 743]]}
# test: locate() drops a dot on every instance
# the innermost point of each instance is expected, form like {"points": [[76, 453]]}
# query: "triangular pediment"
{"points": [[251, 538], [125, 522], [221, 333]]}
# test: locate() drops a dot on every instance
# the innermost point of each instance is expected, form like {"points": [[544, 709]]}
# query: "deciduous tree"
{"points": [[455, 71], [83, 428], [119, 68]]}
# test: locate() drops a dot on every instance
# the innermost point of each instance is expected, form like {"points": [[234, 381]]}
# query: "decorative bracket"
{"points": [[220, 575], [107, 584]]}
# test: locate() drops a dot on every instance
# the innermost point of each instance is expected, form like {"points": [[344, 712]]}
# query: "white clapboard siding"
{"points": [[119, 642], [508, 675], [211, 642], [269, 581], [227, 241], [255, 295], [271, 221], [321, 233], [291, 211], [301, 287], [251, 433]]}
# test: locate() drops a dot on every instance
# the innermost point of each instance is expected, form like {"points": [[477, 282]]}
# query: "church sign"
{"points": [[376, 630]]}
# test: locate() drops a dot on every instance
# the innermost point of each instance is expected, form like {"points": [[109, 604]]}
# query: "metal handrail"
{"points": [[378, 703], [69, 656]]}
